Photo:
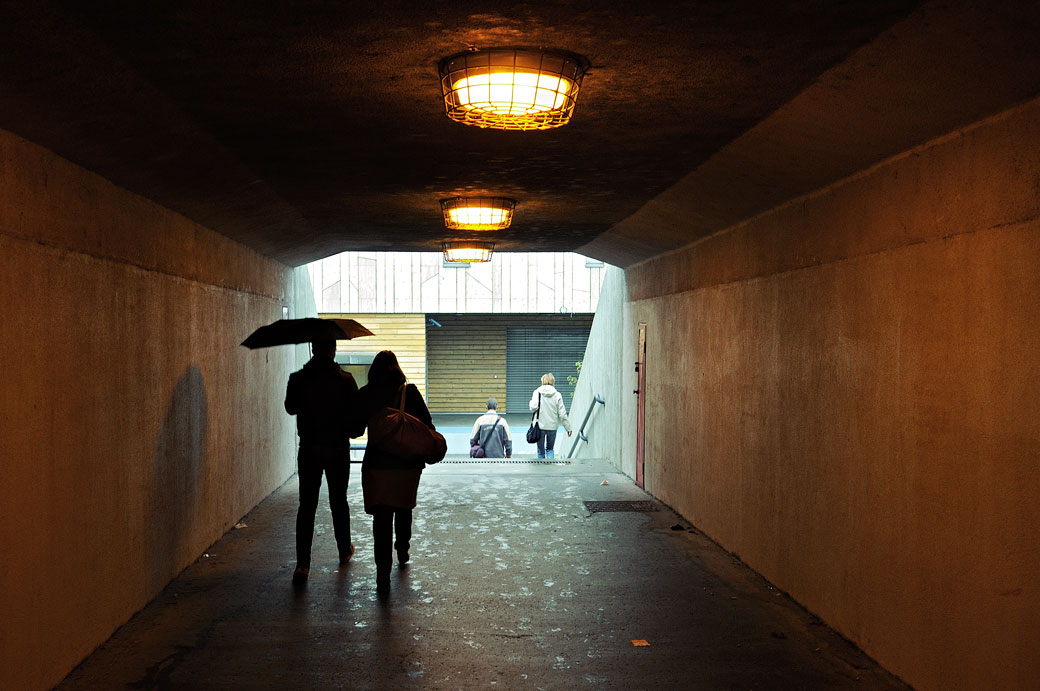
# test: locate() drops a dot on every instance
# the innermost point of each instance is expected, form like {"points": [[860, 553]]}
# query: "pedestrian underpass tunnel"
{"points": [[814, 340]]}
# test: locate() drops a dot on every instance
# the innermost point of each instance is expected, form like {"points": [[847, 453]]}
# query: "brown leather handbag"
{"points": [[400, 434]]}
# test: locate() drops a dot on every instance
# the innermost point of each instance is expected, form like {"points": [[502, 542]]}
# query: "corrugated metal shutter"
{"points": [[533, 351]]}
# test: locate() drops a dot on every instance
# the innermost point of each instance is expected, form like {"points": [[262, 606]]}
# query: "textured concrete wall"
{"points": [[845, 391], [605, 373], [134, 430]]}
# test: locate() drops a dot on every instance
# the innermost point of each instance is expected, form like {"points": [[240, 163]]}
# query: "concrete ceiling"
{"points": [[308, 128]]}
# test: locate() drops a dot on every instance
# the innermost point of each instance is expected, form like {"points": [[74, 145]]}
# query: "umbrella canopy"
{"points": [[308, 330]]}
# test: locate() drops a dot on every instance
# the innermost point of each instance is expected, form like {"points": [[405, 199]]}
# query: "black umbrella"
{"points": [[308, 330]]}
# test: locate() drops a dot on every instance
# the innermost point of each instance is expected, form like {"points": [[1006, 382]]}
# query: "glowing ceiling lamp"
{"points": [[478, 213], [512, 88], [468, 252]]}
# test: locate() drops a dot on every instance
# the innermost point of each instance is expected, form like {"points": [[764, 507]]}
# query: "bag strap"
{"points": [[537, 412], [401, 407], [490, 432]]}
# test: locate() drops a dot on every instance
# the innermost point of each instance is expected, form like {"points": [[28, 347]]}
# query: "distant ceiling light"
{"points": [[478, 213], [468, 252], [512, 88]]}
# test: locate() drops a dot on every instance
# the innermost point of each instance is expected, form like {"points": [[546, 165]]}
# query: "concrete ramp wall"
{"points": [[134, 430], [603, 373]]}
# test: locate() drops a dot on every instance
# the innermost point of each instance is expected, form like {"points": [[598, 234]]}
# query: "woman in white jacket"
{"points": [[551, 413]]}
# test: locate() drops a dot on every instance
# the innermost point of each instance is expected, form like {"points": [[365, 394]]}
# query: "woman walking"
{"points": [[547, 404], [389, 482]]}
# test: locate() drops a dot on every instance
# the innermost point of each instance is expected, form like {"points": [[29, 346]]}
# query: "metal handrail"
{"points": [[581, 432]]}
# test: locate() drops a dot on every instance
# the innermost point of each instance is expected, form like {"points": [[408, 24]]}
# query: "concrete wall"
{"points": [[134, 430], [845, 391], [604, 372]]}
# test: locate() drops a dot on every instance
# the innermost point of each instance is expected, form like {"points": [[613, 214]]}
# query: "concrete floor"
{"points": [[513, 584]]}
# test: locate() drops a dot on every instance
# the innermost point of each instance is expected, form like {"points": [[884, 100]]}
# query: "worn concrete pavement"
{"points": [[513, 584]]}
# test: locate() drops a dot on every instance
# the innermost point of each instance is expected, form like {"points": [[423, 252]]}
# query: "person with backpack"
{"points": [[491, 434]]}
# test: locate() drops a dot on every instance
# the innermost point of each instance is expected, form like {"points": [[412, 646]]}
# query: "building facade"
{"points": [[422, 282]]}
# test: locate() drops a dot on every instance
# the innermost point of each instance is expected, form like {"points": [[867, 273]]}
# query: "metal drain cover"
{"points": [[505, 460], [619, 506]]}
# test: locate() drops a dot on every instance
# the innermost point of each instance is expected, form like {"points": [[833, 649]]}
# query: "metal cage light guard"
{"points": [[467, 252], [512, 88], [478, 213]]}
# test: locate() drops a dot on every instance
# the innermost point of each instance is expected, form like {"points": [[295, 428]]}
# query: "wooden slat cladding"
{"points": [[467, 357], [405, 334], [466, 353]]}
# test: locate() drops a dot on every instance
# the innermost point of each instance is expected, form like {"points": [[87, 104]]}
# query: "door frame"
{"points": [[640, 393]]}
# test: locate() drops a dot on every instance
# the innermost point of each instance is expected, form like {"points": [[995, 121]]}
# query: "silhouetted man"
{"points": [[321, 396]]}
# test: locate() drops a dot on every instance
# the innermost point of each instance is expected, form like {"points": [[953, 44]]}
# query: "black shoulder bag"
{"points": [[534, 432]]}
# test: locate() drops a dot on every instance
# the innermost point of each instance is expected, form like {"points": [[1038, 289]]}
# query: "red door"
{"points": [[640, 399]]}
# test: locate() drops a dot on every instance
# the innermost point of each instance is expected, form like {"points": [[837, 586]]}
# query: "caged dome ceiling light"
{"points": [[478, 213], [467, 252], [512, 88]]}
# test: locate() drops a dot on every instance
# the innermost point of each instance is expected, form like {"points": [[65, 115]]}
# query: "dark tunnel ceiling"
{"points": [[317, 126]]}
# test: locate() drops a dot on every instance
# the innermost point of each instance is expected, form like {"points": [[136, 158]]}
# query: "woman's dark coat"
{"points": [[389, 480]]}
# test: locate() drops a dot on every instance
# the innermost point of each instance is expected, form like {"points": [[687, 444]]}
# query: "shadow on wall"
{"points": [[177, 476]]}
